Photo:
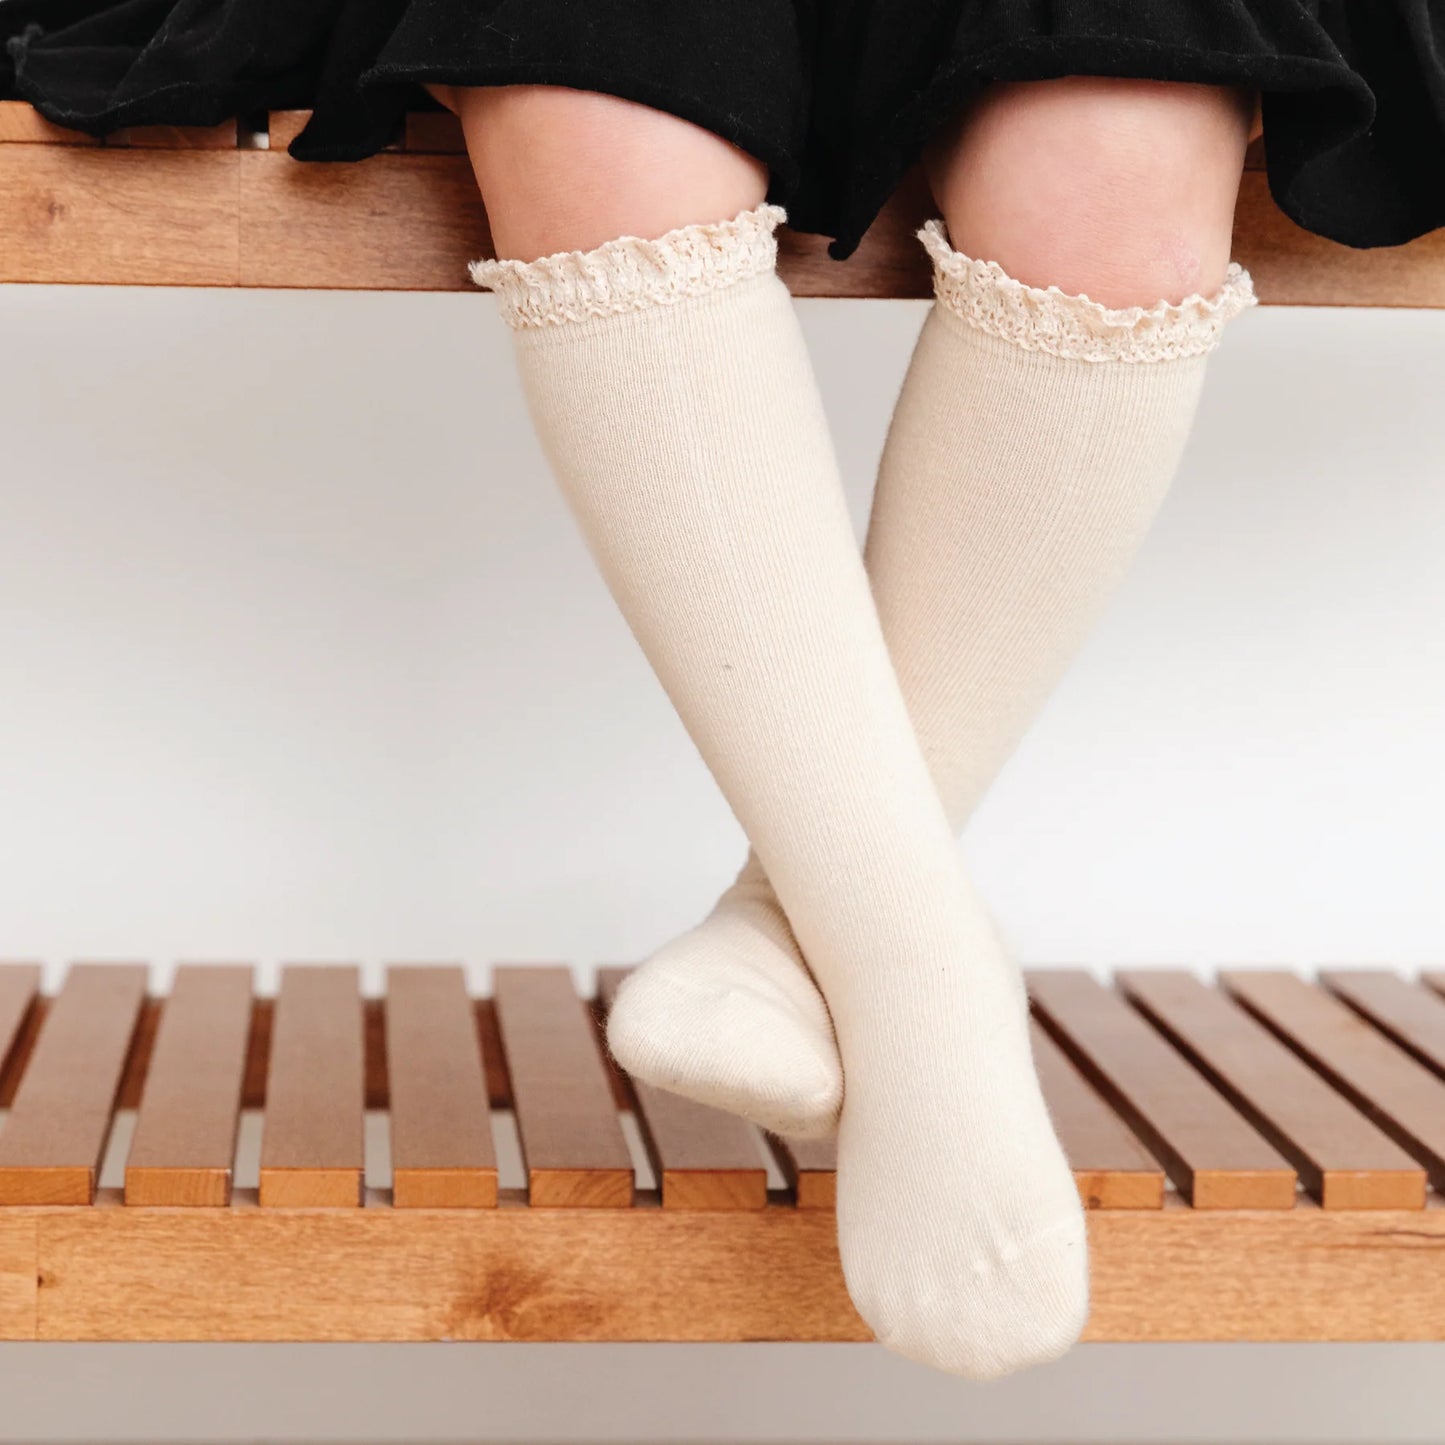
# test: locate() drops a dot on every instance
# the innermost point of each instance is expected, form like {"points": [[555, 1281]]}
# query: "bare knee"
{"points": [[564, 170], [1119, 189]]}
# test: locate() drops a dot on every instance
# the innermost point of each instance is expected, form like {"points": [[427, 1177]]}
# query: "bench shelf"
{"points": [[1257, 1157]]}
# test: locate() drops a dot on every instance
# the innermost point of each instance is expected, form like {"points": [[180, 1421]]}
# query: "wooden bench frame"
{"points": [[711, 1255]]}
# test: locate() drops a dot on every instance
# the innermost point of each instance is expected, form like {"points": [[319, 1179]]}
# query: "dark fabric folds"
{"points": [[837, 96]]}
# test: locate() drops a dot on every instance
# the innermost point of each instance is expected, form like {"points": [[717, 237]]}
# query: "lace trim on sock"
{"points": [[629, 273], [984, 295]]}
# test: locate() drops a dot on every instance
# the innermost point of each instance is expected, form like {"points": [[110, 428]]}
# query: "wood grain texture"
{"points": [[184, 1143], [1214, 1157], [1342, 1158], [811, 1168], [1410, 1013], [120, 218], [19, 1273], [22, 124], [442, 1155], [572, 1142], [52, 1143], [703, 1158], [313, 1146], [1400, 1094], [1171, 1274], [175, 137], [283, 126], [408, 223], [1111, 1168], [177, 215]]}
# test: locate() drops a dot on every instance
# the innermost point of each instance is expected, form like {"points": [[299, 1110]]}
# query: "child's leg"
{"points": [[1015, 487], [673, 393]]}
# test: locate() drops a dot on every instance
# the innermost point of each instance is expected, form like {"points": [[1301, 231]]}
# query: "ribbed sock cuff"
{"points": [[983, 295], [630, 274]]}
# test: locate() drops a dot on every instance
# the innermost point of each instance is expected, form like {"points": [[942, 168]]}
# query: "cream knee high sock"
{"points": [[673, 394], [1034, 438]]}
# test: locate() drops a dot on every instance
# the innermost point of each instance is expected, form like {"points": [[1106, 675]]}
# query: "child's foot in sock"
{"points": [[959, 1224], [728, 1015]]}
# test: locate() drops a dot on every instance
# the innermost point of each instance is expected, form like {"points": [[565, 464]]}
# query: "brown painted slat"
{"points": [[1343, 1159], [442, 1155], [1111, 1168], [1214, 1157], [52, 1144], [19, 984], [811, 1168], [572, 1141], [704, 1158], [313, 1146], [1434, 978], [1412, 1014], [1401, 1095], [185, 1136]]}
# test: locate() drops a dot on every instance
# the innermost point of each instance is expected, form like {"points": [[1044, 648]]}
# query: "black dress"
{"points": [[836, 96]]}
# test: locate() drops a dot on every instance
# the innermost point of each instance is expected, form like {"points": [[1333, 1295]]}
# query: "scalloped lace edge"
{"points": [[984, 295], [630, 273]]}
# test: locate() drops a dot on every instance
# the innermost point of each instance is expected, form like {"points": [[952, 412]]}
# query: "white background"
{"points": [[303, 660]]}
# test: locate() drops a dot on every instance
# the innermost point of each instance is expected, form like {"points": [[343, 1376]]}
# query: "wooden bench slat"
{"points": [[572, 1140], [19, 985], [811, 1168], [1412, 1014], [1214, 1157], [313, 1144], [52, 1144], [703, 1158], [1111, 1168], [1342, 1158], [442, 1154], [1401, 1095], [184, 1144]]}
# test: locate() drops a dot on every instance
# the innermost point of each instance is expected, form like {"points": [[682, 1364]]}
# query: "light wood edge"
{"points": [[1172, 1274], [580, 1188], [178, 1188], [444, 1189], [67, 1185], [310, 1188]]}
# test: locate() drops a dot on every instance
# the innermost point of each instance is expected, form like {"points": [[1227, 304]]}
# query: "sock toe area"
{"points": [[1004, 1314], [729, 1042]]}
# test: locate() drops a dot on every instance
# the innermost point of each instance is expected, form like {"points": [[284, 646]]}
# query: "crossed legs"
{"points": [[674, 398]]}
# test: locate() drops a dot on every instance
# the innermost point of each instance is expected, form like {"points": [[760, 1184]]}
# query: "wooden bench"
{"points": [[1256, 1158], [214, 208]]}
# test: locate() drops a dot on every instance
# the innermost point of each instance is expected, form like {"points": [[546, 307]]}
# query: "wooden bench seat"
{"points": [[228, 207], [1257, 1157]]}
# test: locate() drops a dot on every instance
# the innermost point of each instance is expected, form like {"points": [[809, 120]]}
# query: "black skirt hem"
{"points": [[1341, 108], [783, 166]]}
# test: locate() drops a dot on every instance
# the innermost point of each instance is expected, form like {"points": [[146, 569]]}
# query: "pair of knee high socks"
{"points": [[851, 725]]}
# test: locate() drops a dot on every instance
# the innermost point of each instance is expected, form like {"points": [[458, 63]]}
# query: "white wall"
{"points": [[302, 659]]}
